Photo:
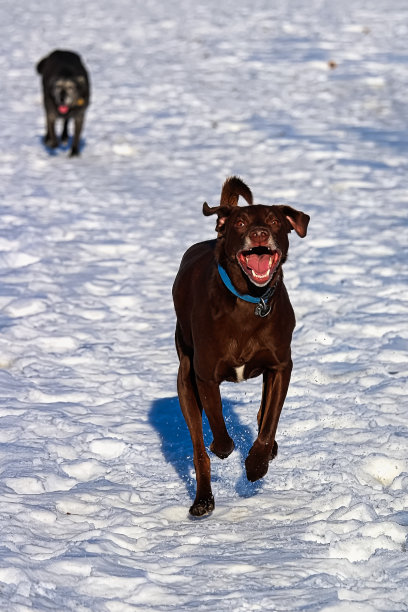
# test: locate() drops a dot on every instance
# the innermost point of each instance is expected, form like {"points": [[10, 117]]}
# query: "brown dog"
{"points": [[235, 321]]}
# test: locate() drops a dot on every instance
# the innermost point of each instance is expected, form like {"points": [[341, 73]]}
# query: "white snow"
{"points": [[96, 472]]}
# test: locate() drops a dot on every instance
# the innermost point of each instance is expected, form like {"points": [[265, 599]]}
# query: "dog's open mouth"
{"points": [[63, 109], [259, 264]]}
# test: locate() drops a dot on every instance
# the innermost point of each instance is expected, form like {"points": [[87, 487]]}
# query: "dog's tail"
{"points": [[232, 189]]}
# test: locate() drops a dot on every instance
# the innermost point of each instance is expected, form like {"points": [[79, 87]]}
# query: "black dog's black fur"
{"points": [[66, 91]]}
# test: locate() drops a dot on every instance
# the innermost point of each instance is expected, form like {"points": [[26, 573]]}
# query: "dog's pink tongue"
{"points": [[259, 263], [63, 109]]}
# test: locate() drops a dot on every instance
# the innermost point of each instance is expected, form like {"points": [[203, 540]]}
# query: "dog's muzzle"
{"points": [[259, 264]]}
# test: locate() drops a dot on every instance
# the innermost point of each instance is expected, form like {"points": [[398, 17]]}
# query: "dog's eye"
{"points": [[239, 223]]}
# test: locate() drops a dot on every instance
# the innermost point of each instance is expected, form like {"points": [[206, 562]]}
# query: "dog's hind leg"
{"points": [[209, 393]]}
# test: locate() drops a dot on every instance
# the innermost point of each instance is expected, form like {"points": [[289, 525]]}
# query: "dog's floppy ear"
{"points": [[222, 212], [231, 190], [298, 220], [41, 64]]}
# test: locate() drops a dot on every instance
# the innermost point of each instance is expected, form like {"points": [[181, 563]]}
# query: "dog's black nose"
{"points": [[63, 96]]}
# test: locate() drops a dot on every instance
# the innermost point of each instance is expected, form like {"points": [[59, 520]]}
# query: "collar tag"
{"points": [[262, 309]]}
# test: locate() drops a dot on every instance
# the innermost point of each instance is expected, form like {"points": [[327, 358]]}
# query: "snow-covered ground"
{"points": [[307, 102]]}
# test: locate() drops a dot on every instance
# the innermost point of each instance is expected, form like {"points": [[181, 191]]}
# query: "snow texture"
{"points": [[306, 101]]}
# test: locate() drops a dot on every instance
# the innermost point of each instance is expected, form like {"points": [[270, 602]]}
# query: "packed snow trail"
{"points": [[307, 103]]}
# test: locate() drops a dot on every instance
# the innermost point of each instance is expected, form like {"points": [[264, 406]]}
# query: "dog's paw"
{"points": [[258, 459], [51, 143], [222, 450], [202, 507], [256, 467]]}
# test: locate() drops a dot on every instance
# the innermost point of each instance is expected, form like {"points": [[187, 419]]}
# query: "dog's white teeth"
{"points": [[260, 276]]}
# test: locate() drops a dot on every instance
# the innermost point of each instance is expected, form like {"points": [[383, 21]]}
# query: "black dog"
{"points": [[66, 95]]}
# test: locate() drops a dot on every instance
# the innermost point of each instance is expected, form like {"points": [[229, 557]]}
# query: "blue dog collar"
{"points": [[228, 283], [263, 308]]}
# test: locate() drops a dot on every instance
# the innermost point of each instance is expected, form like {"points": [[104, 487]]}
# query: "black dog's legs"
{"points": [[64, 135], [50, 138], [79, 121]]}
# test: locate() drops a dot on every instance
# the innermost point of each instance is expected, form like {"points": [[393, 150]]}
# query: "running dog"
{"points": [[66, 90], [234, 322]]}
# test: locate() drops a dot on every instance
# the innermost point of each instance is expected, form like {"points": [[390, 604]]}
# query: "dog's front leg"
{"points": [[50, 139], [79, 121], [192, 411], [264, 449], [209, 392]]}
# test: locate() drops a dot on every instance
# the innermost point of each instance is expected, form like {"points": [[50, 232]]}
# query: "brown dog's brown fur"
{"points": [[219, 337]]}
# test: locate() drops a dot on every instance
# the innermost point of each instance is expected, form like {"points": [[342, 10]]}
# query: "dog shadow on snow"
{"points": [[167, 419], [63, 147]]}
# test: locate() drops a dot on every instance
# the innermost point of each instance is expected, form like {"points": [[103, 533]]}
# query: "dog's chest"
{"points": [[242, 360], [244, 371], [239, 345], [240, 373]]}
